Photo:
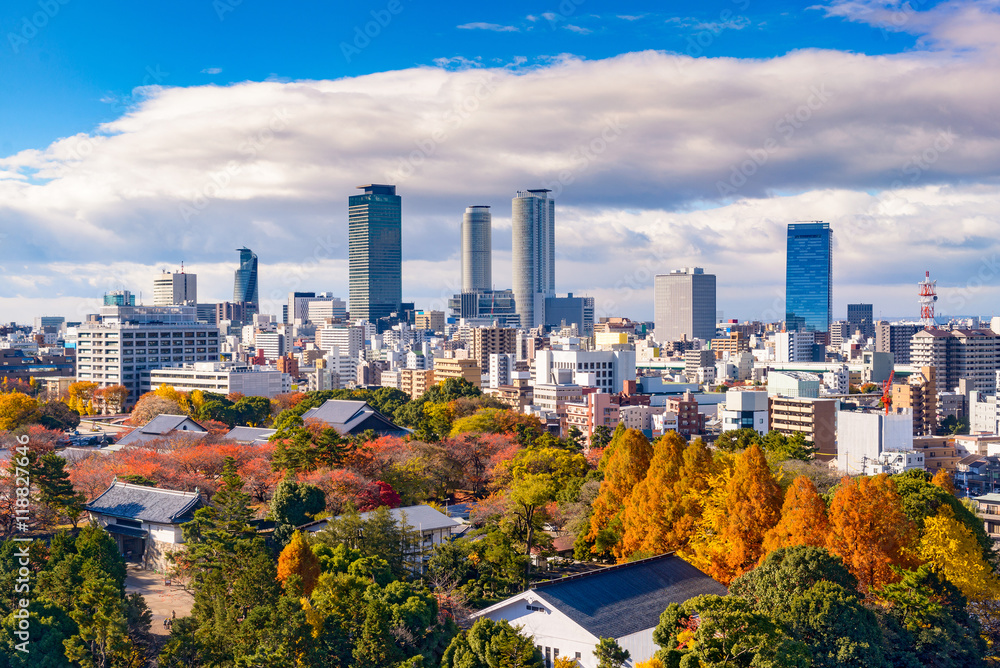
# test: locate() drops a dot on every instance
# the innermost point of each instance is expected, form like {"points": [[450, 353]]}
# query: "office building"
{"points": [[568, 311], [972, 355], [859, 319], [119, 298], [375, 253], [605, 370], [348, 340], [684, 305], [245, 282], [809, 277], [175, 288], [477, 249], [304, 307], [128, 340], [432, 321], [533, 220], [498, 307], [794, 346]]}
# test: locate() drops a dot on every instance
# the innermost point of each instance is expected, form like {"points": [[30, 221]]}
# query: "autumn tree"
{"points": [[112, 398], [803, 518], [868, 529], [298, 559], [953, 553], [16, 410], [627, 462], [81, 394], [944, 480], [150, 405], [743, 506], [663, 510]]}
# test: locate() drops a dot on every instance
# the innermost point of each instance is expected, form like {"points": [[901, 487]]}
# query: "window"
{"points": [[535, 608]]}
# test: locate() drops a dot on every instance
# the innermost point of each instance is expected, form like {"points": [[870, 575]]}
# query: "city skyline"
{"points": [[182, 168]]}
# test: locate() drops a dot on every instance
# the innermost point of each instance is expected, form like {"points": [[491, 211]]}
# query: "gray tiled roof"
{"points": [[422, 518], [249, 434], [621, 600], [349, 417], [160, 427], [146, 504]]}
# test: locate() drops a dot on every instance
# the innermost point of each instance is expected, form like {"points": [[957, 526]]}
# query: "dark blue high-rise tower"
{"points": [[809, 277], [245, 285], [375, 252]]}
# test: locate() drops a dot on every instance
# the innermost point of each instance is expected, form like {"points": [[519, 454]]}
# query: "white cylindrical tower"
{"points": [[477, 249]]}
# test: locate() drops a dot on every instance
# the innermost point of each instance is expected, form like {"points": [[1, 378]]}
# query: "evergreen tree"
{"points": [[54, 487]]}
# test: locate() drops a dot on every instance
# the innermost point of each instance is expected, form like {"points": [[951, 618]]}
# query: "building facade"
{"points": [[972, 355], [533, 220], [684, 305], [375, 252], [171, 289], [809, 277], [477, 249], [815, 419], [245, 289]]}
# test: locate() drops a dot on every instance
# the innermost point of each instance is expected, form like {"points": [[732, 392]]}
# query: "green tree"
{"points": [[292, 505], [490, 644], [610, 654], [601, 437], [736, 440], [102, 639], [526, 496], [54, 487], [375, 645]]}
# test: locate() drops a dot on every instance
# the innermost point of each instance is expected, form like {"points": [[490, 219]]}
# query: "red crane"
{"points": [[887, 392]]}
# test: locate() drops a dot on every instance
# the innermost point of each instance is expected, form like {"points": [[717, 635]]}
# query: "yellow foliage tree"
{"points": [[298, 559], [626, 467], [953, 552], [869, 531], [80, 394], [16, 410], [743, 504], [663, 511], [175, 395], [565, 662], [803, 519], [650, 663]]}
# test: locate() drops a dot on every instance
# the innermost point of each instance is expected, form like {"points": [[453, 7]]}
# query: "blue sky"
{"points": [[136, 136], [81, 67]]}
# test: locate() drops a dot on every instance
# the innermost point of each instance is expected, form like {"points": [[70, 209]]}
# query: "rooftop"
{"points": [[146, 504]]}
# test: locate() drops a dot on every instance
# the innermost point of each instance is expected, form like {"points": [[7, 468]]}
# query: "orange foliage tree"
{"points": [[742, 506], [626, 464], [869, 531], [298, 559], [803, 519], [944, 480], [663, 511]]}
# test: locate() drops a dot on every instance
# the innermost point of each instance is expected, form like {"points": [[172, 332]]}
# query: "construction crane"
{"points": [[887, 392]]}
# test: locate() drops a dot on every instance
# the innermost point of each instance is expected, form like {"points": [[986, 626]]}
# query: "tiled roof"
{"points": [[146, 504], [617, 601], [249, 434], [349, 417], [422, 518], [160, 427]]}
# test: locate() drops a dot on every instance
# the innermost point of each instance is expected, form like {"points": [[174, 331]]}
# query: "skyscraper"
{"points": [[477, 245], [684, 305], [245, 284], [808, 277], [375, 252], [859, 317], [170, 289], [534, 254]]}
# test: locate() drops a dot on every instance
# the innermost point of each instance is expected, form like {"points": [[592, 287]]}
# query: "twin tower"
{"points": [[533, 223]]}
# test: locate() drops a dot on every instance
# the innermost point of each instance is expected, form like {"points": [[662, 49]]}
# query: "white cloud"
{"points": [[495, 27], [658, 160], [579, 29], [212, 70]]}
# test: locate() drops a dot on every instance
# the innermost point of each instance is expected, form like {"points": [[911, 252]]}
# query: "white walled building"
{"points": [[744, 409], [862, 438], [501, 368], [170, 289], [794, 346], [221, 378], [837, 381], [605, 370]]}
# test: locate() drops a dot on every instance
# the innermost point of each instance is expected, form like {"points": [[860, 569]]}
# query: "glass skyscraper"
{"points": [[245, 284], [533, 224], [477, 253], [809, 277], [375, 252]]}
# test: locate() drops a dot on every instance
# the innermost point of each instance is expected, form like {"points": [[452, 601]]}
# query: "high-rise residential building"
{"points": [[816, 419], [245, 283], [859, 318], [684, 305], [477, 249], [486, 341], [972, 355], [809, 277], [175, 288], [533, 222], [375, 252]]}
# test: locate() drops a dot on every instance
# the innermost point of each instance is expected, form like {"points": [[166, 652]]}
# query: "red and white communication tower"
{"points": [[928, 295]]}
